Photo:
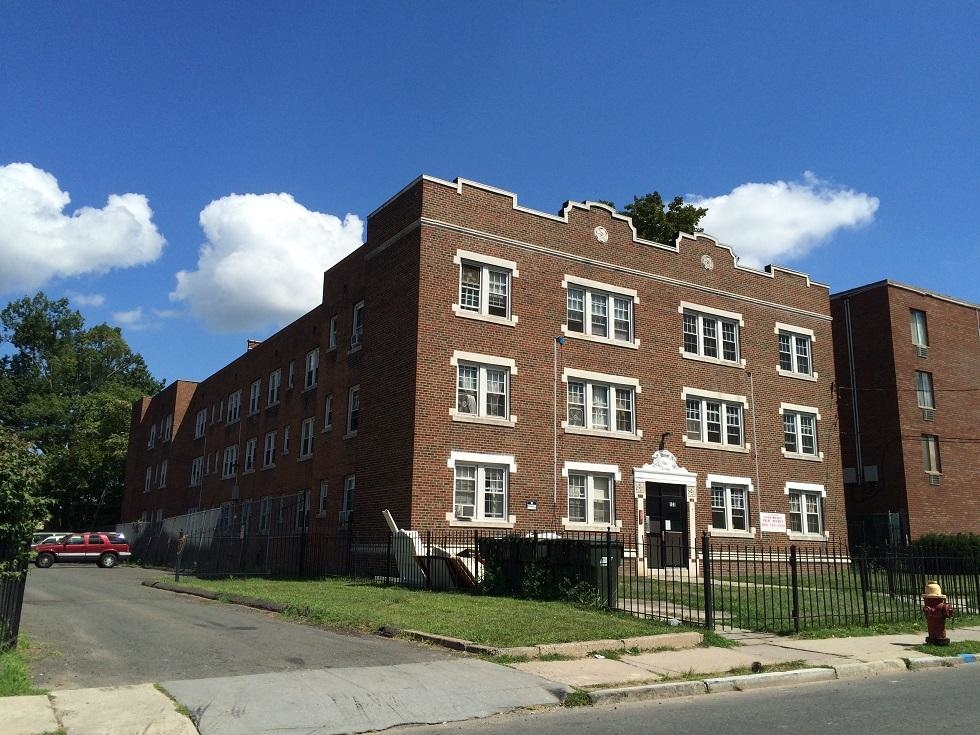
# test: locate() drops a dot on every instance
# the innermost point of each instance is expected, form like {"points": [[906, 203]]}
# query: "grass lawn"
{"points": [[893, 628], [14, 678], [493, 621], [955, 648]]}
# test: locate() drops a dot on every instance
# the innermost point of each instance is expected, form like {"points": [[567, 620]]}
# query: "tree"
{"points": [[654, 222], [69, 390], [22, 508]]}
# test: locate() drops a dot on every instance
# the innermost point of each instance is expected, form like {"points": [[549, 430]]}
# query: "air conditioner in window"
{"points": [[465, 512], [934, 479], [343, 518], [922, 351], [576, 416], [928, 414]]}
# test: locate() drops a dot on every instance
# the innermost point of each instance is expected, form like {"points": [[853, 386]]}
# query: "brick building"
{"points": [[476, 364], [908, 369]]}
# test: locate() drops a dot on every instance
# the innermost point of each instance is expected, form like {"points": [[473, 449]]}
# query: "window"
{"points": [[148, 480], [289, 374], [250, 454], [485, 287], [197, 469], [347, 508], [306, 438], [729, 507], [590, 498], [710, 334], [229, 465], [923, 389], [312, 368], [322, 506], [152, 441], [328, 413], [805, 511], [357, 325], [246, 516], [234, 406], [200, 423], [600, 403], [285, 440], [269, 450], [274, 380], [265, 514], [930, 455], [303, 510], [482, 387], [598, 311], [714, 420], [795, 349], [800, 431], [353, 410], [168, 427], [920, 330], [480, 488], [163, 473], [254, 394], [332, 340]]}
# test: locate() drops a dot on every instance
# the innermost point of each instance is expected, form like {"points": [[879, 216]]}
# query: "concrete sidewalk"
{"points": [[359, 699]]}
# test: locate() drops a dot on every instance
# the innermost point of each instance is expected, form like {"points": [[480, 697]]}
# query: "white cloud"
{"points": [[263, 261], [166, 313], [131, 318], [86, 299], [783, 220], [39, 242]]}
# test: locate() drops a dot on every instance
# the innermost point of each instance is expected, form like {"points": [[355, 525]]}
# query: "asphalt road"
{"points": [[103, 628], [933, 701]]}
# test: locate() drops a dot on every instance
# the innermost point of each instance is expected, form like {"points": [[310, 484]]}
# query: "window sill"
{"points": [[466, 418], [717, 447], [799, 376], [322, 514], [794, 536], [804, 457], [635, 345], [350, 434], [273, 405], [325, 429], [269, 467], [602, 433], [726, 533], [231, 423], [740, 364], [248, 472], [304, 458], [568, 525], [505, 321], [481, 522], [355, 348], [308, 388]]}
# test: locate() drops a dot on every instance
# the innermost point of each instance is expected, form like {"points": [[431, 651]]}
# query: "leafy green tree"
{"points": [[654, 221], [69, 390], [22, 508]]}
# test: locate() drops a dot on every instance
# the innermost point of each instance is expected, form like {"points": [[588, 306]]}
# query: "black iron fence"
{"points": [[724, 585], [12, 584]]}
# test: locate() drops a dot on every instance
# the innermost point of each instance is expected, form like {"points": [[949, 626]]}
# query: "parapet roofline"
{"points": [[905, 287], [459, 183]]}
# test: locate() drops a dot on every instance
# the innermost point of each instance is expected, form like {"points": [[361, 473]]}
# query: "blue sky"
{"points": [[840, 139]]}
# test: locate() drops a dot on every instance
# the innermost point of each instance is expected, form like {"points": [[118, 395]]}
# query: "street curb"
{"points": [[748, 682], [236, 599], [936, 662], [666, 690], [871, 668]]}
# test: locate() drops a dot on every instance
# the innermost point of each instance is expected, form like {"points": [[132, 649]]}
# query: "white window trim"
{"points": [[253, 444], [591, 285], [332, 334], [793, 330], [350, 404], [234, 403], [356, 336], [592, 468], [745, 482], [476, 358], [324, 492], [813, 411], [311, 367], [307, 437], [613, 381], [489, 260], [723, 398], [326, 401], [808, 487], [479, 458], [255, 397], [721, 314]]}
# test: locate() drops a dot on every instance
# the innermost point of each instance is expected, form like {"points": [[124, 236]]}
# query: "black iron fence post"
{"points": [[709, 617], [181, 543], [610, 597], [794, 577], [388, 558], [428, 559], [863, 572], [301, 562]]}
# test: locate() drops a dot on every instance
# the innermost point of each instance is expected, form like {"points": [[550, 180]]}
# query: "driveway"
{"points": [[105, 628]]}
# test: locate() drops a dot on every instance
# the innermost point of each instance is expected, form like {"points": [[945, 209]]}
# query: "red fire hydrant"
{"points": [[937, 611]]}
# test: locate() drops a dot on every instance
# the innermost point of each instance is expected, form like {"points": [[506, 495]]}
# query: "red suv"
{"points": [[105, 549]]}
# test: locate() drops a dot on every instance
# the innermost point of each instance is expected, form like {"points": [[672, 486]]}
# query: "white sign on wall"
{"points": [[772, 522]]}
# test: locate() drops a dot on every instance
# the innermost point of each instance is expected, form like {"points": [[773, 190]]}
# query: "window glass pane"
{"points": [[694, 420], [710, 329], [789, 431], [785, 353], [808, 437], [465, 498], [729, 341], [496, 392], [600, 307], [795, 513], [624, 410], [739, 519], [576, 498], [601, 499], [923, 387], [733, 425], [713, 421], [576, 310], [576, 404], [467, 378], [497, 298], [690, 334], [600, 407], [493, 504], [718, 519], [623, 315], [469, 289], [803, 355]]}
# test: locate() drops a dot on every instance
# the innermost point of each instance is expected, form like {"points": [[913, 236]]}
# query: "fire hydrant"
{"points": [[937, 611]]}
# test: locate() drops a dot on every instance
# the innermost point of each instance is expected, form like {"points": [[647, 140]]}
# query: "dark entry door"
{"points": [[666, 508]]}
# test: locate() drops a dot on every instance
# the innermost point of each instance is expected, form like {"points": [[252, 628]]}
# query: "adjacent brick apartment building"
{"points": [[477, 364], [908, 369]]}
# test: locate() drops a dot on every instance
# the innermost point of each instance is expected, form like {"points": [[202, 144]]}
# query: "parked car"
{"points": [[104, 549], [41, 537]]}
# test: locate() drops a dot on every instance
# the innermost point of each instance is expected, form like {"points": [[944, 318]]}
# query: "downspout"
{"points": [[855, 411]]}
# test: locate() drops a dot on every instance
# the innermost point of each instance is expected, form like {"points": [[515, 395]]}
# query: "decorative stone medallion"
{"points": [[600, 234], [707, 262]]}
